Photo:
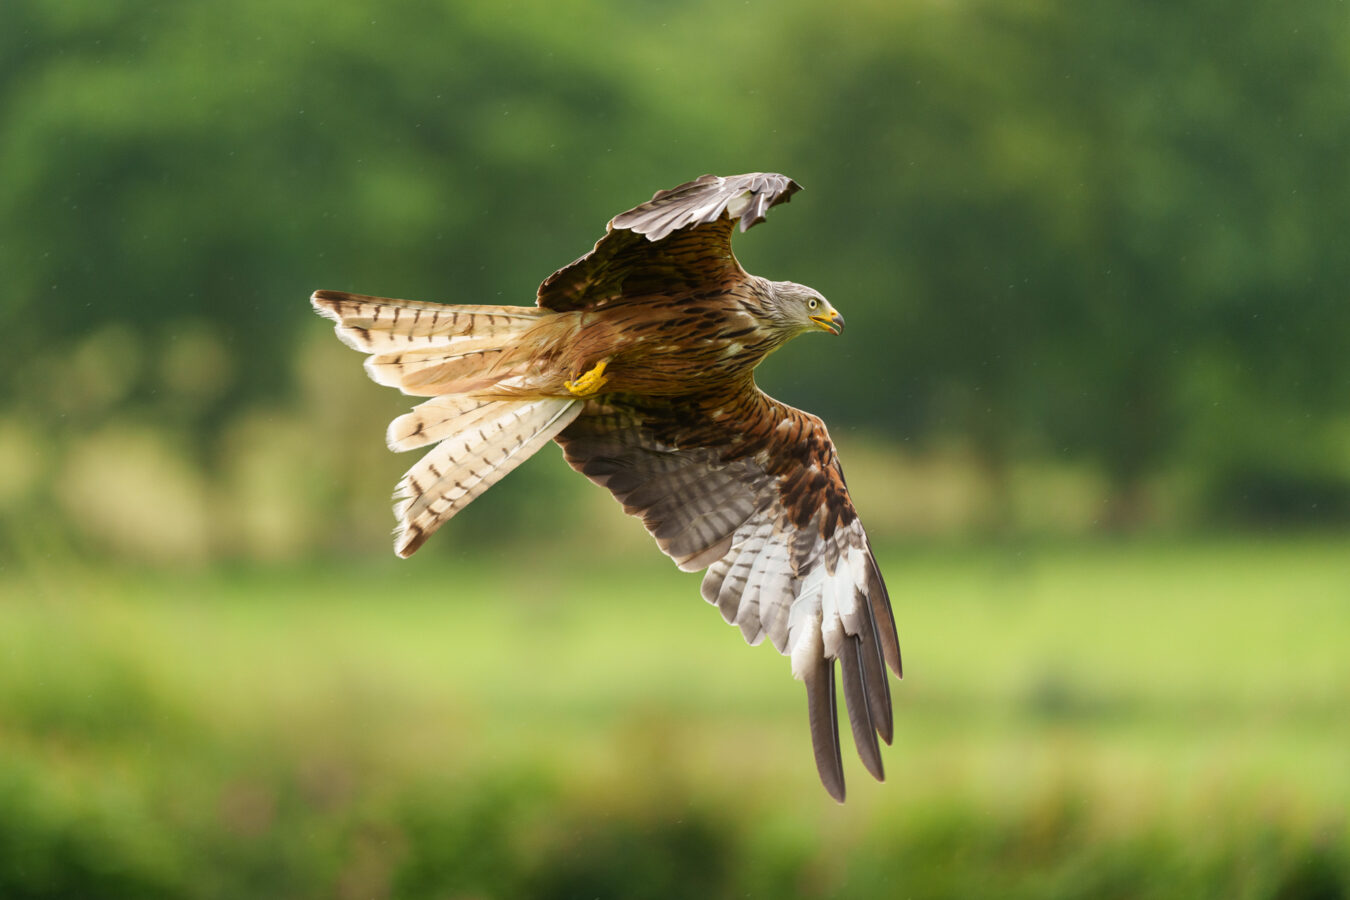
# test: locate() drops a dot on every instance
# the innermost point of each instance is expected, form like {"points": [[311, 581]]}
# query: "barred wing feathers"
{"points": [[677, 243], [770, 518]]}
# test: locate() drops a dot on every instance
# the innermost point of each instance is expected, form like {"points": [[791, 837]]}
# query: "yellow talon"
{"points": [[589, 383]]}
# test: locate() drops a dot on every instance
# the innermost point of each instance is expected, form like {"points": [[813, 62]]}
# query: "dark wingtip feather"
{"points": [[820, 707], [860, 703], [883, 617], [877, 687]]}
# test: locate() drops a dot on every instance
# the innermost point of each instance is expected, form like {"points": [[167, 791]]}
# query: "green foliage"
{"points": [[1079, 721], [1110, 236]]}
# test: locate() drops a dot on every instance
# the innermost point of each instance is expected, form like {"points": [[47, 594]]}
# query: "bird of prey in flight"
{"points": [[638, 359]]}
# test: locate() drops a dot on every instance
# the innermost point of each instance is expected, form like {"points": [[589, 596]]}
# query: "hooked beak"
{"points": [[831, 322]]}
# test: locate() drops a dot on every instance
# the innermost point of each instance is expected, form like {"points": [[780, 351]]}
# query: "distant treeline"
{"points": [[1112, 234]]}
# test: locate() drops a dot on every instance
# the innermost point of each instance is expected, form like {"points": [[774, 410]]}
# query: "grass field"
{"points": [[1080, 720]]}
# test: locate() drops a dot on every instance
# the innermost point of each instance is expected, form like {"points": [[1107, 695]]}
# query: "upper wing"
{"points": [[760, 502], [680, 239]]}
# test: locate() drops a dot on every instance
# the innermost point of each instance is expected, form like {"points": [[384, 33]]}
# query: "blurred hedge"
{"points": [[529, 838]]}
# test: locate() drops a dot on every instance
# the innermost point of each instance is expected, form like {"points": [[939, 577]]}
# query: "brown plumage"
{"points": [[638, 361]]}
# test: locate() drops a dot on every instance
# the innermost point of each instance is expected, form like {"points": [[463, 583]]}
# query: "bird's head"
{"points": [[798, 308]]}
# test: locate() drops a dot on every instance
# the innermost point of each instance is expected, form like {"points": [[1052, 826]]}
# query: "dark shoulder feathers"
{"points": [[679, 240]]}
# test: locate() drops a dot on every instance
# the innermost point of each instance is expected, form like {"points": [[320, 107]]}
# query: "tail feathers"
{"points": [[432, 371], [429, 350], [448, 353], [382, 325], [437, 419], [469, 460]]}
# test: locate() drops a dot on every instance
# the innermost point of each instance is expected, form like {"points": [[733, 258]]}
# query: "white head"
{"points": [[799, 309]]}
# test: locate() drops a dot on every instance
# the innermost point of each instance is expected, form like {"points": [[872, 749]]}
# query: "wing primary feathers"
{"points": [[704, 200], [859, 705], [793, 565], [820, 706], [877, 689], [882, 616]]}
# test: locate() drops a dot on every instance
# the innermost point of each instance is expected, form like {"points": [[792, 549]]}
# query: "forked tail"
{"points": [[455, 355], [429, 349]]}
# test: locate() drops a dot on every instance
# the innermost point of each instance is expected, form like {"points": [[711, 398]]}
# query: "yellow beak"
{"points": [[831, 322]]}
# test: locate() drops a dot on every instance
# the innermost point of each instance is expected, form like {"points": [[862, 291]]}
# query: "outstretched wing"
{"points": [[678, 240], [752, 490]]}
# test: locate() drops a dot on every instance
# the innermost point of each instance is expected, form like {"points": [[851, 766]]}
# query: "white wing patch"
{"points": [[739, 204], [819, 601]]}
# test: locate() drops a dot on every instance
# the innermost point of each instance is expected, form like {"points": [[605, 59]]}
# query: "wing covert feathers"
{"points": [[675, 245], [704, 200], [824, 719], [786, 556]]}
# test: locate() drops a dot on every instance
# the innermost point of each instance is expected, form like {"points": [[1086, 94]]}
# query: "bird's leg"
{"points": [[589, 383]]}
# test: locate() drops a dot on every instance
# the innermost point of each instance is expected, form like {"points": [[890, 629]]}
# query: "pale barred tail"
{"points": [[447, 353], [430, 349], [480, 443]]}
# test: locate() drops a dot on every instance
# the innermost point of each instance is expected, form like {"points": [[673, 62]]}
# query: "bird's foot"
{"points": [[589, 383]]}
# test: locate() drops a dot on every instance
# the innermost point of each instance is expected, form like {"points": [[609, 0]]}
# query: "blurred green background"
{"points": [[1094, 403]]}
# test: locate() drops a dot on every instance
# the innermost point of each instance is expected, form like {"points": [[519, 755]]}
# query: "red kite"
{"points": [[638, 359]]}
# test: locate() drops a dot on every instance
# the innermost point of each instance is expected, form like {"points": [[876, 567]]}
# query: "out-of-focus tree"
{"points": [[178, 164], [1112, 234]]}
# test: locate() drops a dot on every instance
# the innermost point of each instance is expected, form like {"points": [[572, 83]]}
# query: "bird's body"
{"points": [[640, 339], [638, 360]]}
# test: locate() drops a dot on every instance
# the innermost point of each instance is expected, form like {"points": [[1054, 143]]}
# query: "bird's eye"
{"points": [[811, 303]]}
